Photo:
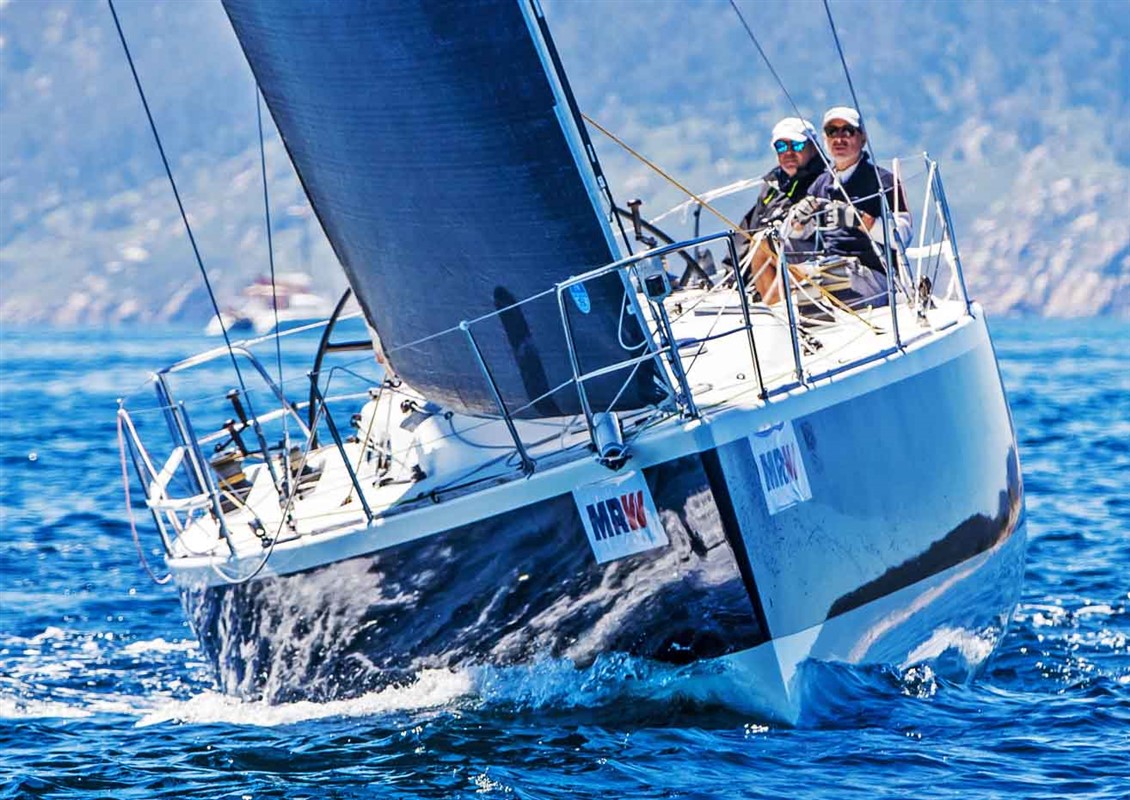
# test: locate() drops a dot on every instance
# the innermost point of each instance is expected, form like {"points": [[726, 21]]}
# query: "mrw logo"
{"points": [[619, 517], [780, 465]]}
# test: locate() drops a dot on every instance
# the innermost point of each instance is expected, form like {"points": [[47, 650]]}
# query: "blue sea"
{"points": [[104, 693]]}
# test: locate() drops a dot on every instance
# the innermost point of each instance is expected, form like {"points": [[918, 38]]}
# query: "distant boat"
{"points": [[290, 302], [569, 456]]}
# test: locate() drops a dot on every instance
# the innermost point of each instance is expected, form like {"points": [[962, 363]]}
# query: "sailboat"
{"points": [[568, 453]]}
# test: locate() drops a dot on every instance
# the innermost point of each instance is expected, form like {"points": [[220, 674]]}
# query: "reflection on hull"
{"points": [[951, 621], [893, 559], [506, 590]]}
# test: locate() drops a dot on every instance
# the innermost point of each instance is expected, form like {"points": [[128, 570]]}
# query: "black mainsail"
{"points": [[436, 147]]}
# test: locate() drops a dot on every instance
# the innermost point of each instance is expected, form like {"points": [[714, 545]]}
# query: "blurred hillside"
{"points": [[1027, 105]]}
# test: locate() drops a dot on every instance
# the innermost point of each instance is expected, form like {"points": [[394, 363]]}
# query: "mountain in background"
{"points": [[1026, 105]]}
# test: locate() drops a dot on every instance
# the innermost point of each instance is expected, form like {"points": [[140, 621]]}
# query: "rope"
{"points": [[270, 246], [887, 248], [669, 178], [769, 64], [847, 74], [765, 58], [129, 510], [176, 194], [191, 238]]}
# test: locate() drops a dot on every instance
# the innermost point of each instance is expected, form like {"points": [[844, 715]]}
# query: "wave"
{"points": [[431, 689], [14, 708]]}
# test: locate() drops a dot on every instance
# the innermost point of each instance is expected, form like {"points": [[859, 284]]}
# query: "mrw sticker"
{"points": [[783, 479], [619, 516]]}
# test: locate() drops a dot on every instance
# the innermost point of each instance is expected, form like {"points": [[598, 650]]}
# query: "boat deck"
{"points": [[403, 466], [448, 456]]}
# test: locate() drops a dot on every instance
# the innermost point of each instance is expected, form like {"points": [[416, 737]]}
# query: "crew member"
{"points": [[798, 166], [852, 187]]}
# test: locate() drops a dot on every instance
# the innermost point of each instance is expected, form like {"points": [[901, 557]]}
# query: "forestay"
{"points": [[435, 149]]}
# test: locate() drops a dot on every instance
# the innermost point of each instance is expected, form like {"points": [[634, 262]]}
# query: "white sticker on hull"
{"points": [[783, 479], [619, 516]]}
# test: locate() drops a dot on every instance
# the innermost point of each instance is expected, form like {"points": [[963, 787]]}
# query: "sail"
{"points": [[434, 143]]}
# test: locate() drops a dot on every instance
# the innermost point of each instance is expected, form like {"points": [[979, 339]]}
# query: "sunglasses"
{"points": [[831, 131], [783, 146]]}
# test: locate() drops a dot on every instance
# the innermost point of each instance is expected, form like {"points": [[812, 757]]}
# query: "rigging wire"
{"points": [[888, 250], [765, 58], [192, 239], [796, 109], [270, 245], [176, 194], [847, 74]]}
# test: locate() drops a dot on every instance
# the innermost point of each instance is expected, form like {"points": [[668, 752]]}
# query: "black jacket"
{"points": [[863, 189], [777, 196]]}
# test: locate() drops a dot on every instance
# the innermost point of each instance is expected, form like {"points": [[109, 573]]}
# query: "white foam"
{"points": [[50, 633], [545, 684], [1100, 608], [432, 689], [11, 708], [159, 646]]}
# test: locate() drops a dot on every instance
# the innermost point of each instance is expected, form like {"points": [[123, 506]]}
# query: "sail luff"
{"points": [[573, 124]]}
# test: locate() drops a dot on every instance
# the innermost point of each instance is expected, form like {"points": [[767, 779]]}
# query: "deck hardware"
{"points": [[611, 451], [651, 280], [940, 193], [747, 321], [233, 398], [787, 293], [234, 438]]}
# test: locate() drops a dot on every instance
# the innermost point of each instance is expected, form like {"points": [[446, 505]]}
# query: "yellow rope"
{"points": [[670, 179]]}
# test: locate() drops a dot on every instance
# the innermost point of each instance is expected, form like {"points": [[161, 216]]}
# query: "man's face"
{"points": [[792, 159], [844, 140]]}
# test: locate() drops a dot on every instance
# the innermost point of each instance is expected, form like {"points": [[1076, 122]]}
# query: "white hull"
{"points": [[866, 570]]}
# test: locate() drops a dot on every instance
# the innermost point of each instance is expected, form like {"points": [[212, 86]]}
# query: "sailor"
{"points": [[851, 188], [798, 165]]}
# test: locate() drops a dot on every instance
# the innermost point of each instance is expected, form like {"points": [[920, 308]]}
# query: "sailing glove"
{"points": [[838, 214]]}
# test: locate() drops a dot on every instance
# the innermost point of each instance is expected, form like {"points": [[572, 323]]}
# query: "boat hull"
{"points": [[910, 523]]}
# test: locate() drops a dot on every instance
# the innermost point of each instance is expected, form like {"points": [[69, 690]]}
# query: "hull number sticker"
{"points": [[783, 479], [619, 516]]}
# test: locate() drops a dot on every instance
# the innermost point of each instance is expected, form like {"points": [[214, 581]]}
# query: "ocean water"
{"points": [[104, 694]]}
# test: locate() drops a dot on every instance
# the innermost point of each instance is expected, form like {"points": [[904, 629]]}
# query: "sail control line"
{"points": [[733, 226]]}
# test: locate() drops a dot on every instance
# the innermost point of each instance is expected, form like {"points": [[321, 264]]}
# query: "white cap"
{"points": [[794, 129], [846, 113]]}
